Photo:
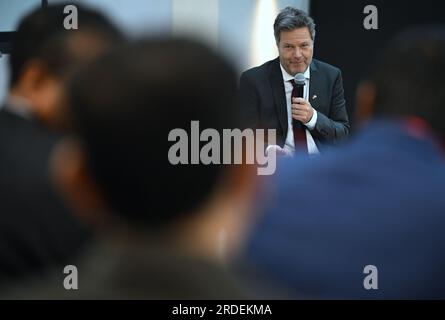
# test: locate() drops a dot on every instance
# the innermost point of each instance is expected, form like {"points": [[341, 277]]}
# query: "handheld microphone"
{"points": [[300, 82]]}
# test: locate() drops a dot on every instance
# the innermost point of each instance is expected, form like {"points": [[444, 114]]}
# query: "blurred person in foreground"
{"points": [[37, 231], [159, 223], [379, 200]]}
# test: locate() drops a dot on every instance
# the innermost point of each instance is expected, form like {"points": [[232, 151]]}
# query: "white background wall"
{"points": [[10, 12], [241, 29]]}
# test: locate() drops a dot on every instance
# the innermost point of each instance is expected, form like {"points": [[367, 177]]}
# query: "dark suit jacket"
{"points": [[263, 101], [36, 230]]}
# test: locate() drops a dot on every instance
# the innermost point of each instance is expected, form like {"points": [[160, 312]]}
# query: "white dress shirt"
{"points": [[289, 144]]}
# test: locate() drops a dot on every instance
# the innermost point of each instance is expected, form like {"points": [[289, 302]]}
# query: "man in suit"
{"points": [[367, 220], [37, 232], [159, 224], [267, 92]]}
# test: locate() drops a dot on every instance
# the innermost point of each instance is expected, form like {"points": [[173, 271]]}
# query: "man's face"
{"points": [[296, 48]]}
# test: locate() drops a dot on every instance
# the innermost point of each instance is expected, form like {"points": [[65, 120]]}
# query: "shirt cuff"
{"points": [[311, 124]]}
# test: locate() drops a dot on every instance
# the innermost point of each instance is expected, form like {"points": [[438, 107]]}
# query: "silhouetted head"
{"points": [[44, 54], [126, 105], [409, 79]]}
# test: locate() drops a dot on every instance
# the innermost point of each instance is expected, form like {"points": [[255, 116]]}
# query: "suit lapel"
{"points": [[314, 86], [276, 81]]}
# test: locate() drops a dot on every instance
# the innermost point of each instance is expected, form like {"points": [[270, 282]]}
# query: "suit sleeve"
{"points": [[249, 102], [335, 127]]}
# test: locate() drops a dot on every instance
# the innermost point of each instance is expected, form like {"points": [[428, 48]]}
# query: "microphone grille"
{"points": [[300, 79]]}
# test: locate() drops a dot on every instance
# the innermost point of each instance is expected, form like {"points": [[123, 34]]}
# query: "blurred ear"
{"points": [[241, 186], [241, 181], [32, 79], [221, 228], [365, 102], [70, 174], [42, 89], [32, 76]]}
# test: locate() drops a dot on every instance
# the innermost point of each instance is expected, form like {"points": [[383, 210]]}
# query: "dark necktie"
{"points": [[298, 128]]}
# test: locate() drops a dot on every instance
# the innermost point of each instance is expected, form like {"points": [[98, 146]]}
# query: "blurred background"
{"points": [[242, 29]]}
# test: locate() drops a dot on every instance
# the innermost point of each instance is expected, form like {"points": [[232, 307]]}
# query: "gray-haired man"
{"points": [[268, 92]]}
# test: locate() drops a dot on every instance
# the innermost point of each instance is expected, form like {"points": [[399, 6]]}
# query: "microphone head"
{"points": [[300, 79]]}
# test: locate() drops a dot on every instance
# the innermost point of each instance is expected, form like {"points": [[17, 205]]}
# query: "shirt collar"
{"points": [[288, 77]]}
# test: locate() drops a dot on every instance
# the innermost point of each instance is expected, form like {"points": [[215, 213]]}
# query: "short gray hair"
{"points": [[289, 19]]}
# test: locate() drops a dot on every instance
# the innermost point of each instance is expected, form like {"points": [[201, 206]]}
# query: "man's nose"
{"points": [[297, 53]]}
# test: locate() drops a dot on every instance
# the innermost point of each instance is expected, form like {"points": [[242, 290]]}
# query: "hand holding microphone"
{"points": [[301, 109]]}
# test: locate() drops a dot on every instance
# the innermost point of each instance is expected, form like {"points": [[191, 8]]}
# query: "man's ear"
{"points": [[365, 101], [32, 78], [240, 181], [70, 174], [239, 189], [43, 89]]}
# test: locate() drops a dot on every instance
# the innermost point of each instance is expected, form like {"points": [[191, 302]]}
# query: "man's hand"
{"points": [[281, 152], [302, 110]]}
